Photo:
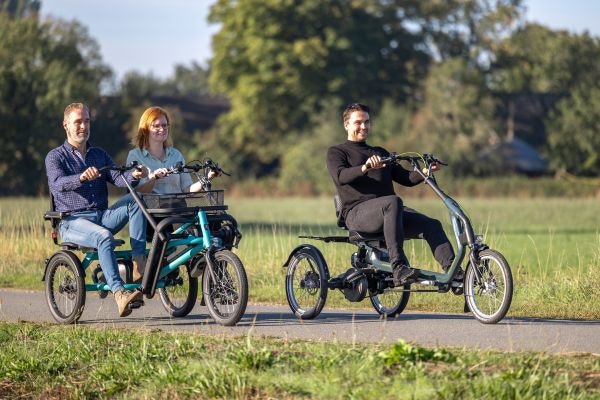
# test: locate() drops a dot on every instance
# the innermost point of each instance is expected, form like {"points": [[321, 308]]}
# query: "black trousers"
{"points": [[397, 222]]}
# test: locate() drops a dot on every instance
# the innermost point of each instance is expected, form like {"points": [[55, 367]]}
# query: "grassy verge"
{"points": [[73, 362], [552, 245]]}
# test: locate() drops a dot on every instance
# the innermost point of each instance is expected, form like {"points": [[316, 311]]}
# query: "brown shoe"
{"points": [[127, 299], [139, 265]]}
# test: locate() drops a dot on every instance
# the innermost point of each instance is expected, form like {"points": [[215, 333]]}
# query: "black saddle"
{"points": [[55, 217], [353, 236]]}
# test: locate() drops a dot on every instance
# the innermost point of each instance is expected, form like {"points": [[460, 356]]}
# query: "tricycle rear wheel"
{"points": [[65, 287], [306, 283]]}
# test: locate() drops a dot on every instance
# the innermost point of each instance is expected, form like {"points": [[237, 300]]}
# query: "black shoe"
{"points": [[459, 275], [403, 274]]}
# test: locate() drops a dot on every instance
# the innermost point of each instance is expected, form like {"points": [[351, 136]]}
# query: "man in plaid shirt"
{"points": [[80, 189]]}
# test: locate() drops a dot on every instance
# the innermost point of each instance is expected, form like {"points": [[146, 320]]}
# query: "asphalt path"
{"points": [[341, 325]]}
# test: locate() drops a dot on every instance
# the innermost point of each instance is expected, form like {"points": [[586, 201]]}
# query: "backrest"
{"points": [[337, 202], [54, 218]]}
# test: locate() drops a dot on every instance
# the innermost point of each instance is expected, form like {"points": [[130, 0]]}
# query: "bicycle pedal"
{"points": [[135, 304]]}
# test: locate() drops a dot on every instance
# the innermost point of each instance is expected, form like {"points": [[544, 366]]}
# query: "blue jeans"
{"points": [[96, 229]]}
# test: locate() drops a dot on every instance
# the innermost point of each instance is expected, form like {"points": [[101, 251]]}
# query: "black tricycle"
{"points": [[192, 238], [486, 284]]}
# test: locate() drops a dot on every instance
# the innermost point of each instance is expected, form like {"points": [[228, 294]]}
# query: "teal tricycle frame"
{"points": [[487, 283], [193, 237]]}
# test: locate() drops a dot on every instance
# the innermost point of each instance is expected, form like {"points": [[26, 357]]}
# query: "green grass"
{"points": [[74, 362], [552, 245]]}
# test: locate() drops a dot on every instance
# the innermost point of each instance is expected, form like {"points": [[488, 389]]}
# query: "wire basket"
{"points": [[184, 203]]}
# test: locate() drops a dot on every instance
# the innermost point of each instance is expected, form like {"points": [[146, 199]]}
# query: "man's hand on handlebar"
{"points": [[373, 162], [89, 174], [435, 166]]}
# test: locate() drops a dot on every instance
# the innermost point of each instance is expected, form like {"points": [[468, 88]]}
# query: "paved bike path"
{"points": [[361, 326]]}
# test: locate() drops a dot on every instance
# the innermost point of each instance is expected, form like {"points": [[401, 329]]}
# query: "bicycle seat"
{"points": [[355, 236], [54, 217], [75, 246]]}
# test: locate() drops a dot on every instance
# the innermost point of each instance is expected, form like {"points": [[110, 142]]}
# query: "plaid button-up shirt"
{"points": [[65, 164]]}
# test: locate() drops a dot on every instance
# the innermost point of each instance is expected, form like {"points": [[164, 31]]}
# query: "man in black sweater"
{"points": [[369, 203]]}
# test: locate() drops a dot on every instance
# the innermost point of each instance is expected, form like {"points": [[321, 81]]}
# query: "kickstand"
{"points": [[466, 309]]}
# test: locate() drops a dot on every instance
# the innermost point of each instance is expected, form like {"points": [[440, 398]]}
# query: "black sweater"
{"points": [[344, 162]]}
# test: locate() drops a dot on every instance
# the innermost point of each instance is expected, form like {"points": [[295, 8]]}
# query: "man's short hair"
{"points": [[350, 108], [74, 106]]}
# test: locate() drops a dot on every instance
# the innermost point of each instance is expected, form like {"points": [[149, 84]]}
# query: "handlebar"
{"points": [[413, 158], [207, 165], [121, 168], [195, 167]]}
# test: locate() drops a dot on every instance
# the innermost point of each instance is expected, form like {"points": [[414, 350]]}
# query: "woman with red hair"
{"points": [[153, 150]]}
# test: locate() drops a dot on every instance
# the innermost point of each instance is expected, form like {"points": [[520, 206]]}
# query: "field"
{"points": [[552, 245]]}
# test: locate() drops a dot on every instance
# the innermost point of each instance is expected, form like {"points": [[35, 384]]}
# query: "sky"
{"points": [[152, 36]]}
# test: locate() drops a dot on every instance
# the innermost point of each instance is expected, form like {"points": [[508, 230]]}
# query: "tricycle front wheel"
{"points": [[489, 287], [226, 288]]}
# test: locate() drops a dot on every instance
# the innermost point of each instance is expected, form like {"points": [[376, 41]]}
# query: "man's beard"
{"points": [[79, 138]]}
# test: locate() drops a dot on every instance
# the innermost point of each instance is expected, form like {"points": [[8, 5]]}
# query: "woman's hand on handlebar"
{"points": [[139, 172], [159, 173], [213, 174], [373, 162]]}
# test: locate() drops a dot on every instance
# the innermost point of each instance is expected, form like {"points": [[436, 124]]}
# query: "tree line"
{"points": [[454, 78]]}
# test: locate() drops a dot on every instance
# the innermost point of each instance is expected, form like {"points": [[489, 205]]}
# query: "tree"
{"points": [[189, 81], [303, 166], [20, 8], [43, 67], [574, 132], [456, 119], [536, 59], [280, 61]]}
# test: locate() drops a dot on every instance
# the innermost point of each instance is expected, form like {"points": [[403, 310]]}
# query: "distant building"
{"points": [[515, 155], [524, 115]]}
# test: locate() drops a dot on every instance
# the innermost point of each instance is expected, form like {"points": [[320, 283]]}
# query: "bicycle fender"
{"points": [[69, 254], [303, 246]]}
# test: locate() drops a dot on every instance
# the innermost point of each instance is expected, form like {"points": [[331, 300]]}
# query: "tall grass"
{"points": [[552, 245]]}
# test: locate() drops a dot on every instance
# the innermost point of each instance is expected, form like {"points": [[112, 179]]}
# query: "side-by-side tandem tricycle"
{"points": [[486, 284], [193, 237]]}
